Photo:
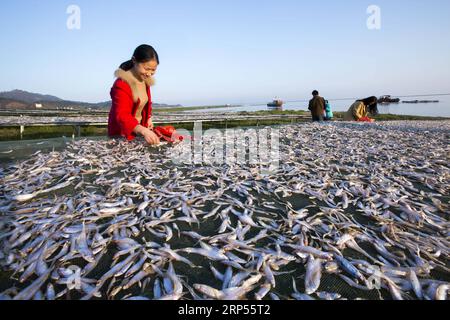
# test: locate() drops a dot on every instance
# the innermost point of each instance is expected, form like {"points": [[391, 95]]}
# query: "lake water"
{"points": [[441, 109]]}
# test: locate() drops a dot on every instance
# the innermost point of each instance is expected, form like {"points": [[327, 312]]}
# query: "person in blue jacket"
{"points": [[328, 112]]}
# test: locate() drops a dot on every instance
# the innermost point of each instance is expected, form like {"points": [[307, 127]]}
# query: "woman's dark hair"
{"points": [[143, 53], [315, 93], [372, 103]]}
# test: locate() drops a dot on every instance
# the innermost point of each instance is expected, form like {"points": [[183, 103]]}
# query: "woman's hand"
{"points": [[149, 136]]}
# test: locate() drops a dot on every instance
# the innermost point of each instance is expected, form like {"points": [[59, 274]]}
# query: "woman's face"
{"points": [[145, 70]]}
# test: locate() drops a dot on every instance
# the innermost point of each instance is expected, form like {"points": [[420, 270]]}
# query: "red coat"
{"points": [[122, 117]]}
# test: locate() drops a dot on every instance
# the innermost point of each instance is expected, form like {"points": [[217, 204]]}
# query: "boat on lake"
{"points": [[275, 104], [388, 99]]}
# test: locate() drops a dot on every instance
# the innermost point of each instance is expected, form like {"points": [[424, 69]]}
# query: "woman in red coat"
{"points": [[131, 111]]}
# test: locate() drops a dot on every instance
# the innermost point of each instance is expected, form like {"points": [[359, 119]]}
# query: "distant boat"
{"points": [[388, 99], [276, 104]]}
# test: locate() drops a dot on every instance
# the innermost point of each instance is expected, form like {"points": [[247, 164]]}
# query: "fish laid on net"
{"points": [[354, 211]]}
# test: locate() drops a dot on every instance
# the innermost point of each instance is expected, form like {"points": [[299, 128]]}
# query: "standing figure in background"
{"points": [[317, 106]]}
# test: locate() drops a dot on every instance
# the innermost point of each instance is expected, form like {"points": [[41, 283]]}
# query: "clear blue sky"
{"points": [[228, 51]]}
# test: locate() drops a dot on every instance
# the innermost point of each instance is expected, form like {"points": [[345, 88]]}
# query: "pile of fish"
{"points": [[354, 211], [158, 117], [27, 120]]}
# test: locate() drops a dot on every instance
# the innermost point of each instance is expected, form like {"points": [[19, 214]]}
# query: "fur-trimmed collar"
{"points": [[129, 78]]}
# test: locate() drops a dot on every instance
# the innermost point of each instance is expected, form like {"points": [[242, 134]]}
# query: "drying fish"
{"points": [[107, 218]]}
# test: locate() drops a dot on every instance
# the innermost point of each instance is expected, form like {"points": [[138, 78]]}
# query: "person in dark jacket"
{"points": [[317, 106]]}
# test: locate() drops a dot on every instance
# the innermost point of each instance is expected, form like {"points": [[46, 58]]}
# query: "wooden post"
{"points": [[77, 131]]}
